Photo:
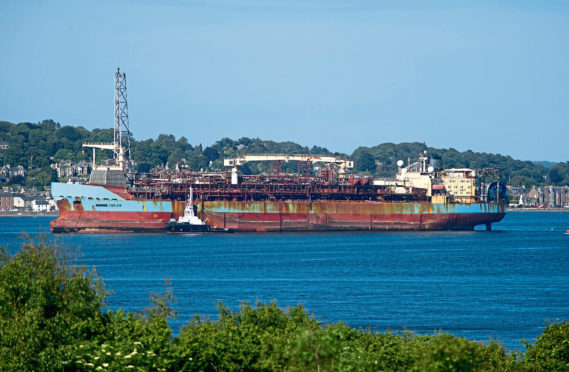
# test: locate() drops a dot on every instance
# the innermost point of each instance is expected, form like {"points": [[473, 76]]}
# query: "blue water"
{"points": [[504, 284]]}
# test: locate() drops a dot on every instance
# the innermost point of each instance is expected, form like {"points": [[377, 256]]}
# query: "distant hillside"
{"points": [[36, 146], [546, 164]]}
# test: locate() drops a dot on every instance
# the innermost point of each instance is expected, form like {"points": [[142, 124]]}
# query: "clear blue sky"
{"points": [[488, 76]]}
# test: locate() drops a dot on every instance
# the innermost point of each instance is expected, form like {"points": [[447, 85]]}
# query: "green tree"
{"points": [[63, 154], [551, 350], [211, 153], [47, 305], [559, 173], [139, 340], [364, 161]]}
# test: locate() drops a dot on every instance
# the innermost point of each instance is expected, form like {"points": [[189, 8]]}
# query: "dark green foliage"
{"points": [[35, 146], [143, 167], [211, 153], [364, 160], [444, 352], [141, 340], [551, 351], [47, 305], [559, 174], [260, 339], [41, 176]]}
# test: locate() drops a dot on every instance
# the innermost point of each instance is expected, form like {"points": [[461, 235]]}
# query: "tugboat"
{"points": [[189, 222]]}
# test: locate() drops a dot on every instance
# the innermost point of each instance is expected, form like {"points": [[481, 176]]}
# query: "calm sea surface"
{"points": [[505, 283]]}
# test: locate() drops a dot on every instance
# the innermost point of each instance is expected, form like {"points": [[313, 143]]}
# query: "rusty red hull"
{"points": [[348, 216], [109, 222], [77, 218], [316, 222], [95, 209]]}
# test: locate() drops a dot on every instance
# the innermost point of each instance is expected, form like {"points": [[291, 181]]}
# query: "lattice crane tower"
{"points": [[122, 131]]}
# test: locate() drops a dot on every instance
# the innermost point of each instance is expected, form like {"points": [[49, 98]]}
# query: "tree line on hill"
{"points": [[37, 146], [52, 318]]}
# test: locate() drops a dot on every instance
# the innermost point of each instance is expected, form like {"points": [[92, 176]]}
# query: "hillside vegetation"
{"points": [[51, 318], [37, 146]]}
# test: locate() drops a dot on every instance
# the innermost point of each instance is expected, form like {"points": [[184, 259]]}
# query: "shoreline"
{"points": [[28, 214], [537, 210]]}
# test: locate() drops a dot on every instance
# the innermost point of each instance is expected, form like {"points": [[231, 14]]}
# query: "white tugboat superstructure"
{"points": [[189, 221]]}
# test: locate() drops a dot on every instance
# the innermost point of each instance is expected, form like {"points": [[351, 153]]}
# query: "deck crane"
{"points": [[340, 163]]}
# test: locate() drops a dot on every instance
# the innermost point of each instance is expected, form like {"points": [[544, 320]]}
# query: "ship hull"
{"points": [[103, 209], [100, 209], [109, 222], [187, 227], [348, 216]]}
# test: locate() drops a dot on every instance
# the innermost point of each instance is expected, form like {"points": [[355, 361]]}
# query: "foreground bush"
{"points": [[46, 305], [551, 351], [50, 319]]}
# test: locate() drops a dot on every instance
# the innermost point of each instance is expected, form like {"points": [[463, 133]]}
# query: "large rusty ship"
{"points": [[419, 198], [322, 196]]}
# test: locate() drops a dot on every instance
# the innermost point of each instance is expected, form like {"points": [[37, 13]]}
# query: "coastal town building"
{"points": [[68, 169], [8, 173], [19, 202], [541, 197], [6, 201], [40, 205], [26, 200], [12, 202]]}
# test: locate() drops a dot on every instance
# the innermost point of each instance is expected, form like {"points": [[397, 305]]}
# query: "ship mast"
{"points": [[121, 142], [121, 130]]}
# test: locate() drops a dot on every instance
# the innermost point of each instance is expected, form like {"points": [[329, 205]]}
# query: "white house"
{"points": [[40, 205], [19, 202]]}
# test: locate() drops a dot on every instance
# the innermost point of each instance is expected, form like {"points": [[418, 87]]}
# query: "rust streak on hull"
{"points": [[282, 216], [338, 222], [341, 216], [104, 222]]}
